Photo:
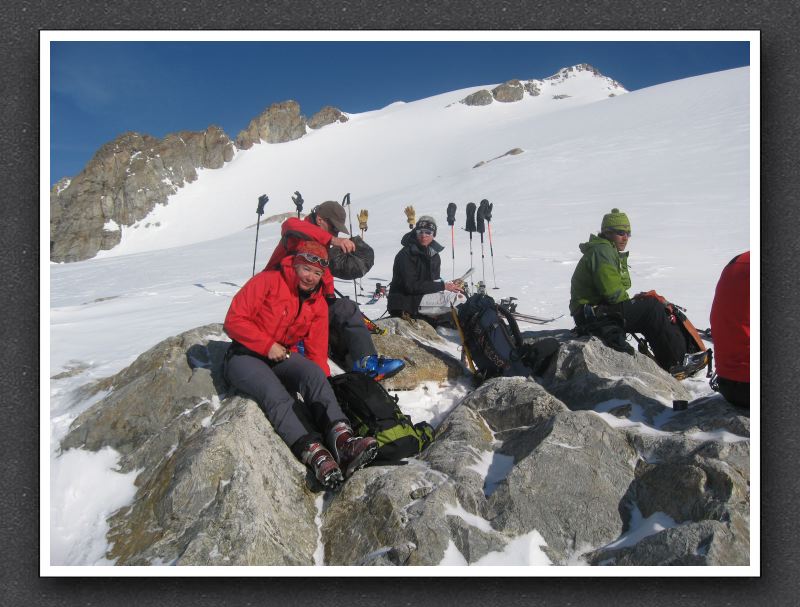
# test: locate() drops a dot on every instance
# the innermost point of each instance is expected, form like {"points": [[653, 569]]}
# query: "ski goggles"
{"points": [[621, 232], [424, 232], [314, 259]]}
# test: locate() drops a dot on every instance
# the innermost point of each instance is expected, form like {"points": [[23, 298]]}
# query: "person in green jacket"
{"points": [[599, 290]]}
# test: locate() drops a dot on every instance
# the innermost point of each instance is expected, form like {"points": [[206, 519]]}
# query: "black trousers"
{"points": [[735, 392], [648, 316], [349, 338]]}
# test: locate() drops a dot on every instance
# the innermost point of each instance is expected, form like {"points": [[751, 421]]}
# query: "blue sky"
{"points": [[99, 90]]}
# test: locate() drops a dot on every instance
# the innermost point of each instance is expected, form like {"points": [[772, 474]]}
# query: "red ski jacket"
{"points": [[291, 231], [267, 309], [730, 320]]}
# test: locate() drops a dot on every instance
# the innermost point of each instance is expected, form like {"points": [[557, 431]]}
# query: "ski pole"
{"points": [[470, 228], [297, 199], [262, 202], [451, 220], [481, 228], [487, 215], [346, 204]]}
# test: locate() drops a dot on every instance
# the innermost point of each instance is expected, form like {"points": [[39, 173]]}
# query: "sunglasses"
{"points": [[424, 232], [621, 232], [314, 259]]}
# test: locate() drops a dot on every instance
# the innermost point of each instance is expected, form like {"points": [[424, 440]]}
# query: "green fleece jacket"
{"points": [[601, 275]]}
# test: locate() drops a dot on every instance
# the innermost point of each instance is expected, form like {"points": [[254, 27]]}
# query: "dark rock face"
{"points": [[122, 183], [482, 97], [509, 92], [327, 115], [574, 462], [279, 123]]}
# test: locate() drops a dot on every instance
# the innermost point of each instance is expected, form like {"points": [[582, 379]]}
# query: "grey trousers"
{"points": [[274, 386], [350, 340]]}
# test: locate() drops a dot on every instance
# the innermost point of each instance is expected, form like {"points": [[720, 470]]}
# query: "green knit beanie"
{"points": [[615, 220]]}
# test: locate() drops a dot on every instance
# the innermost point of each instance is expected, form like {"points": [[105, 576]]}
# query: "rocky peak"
{"points": [[279, 123], [122, 183], [327, 115]]}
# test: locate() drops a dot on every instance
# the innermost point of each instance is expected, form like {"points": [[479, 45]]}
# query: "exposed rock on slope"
{"points": [[512, 462], [327, 115], [279, 123], [122, 183]]}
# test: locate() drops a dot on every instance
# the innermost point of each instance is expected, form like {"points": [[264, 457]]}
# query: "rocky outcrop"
{"points": [[327, 115], [508, 92], [514, 90], [122, 183], [570, 466], [481, 97], [418, 344], [511, 152], [279, 123]]}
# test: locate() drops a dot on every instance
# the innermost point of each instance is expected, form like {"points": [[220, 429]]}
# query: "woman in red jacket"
{"points": [[268, 317]]}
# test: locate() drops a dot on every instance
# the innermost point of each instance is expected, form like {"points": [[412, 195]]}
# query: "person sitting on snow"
{"points": [[730, 330], [346, 324], [270, 315], [416, 290], [599, 294]]}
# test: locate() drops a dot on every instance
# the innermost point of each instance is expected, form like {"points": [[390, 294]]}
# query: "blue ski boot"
{"points": [[378, 367]]}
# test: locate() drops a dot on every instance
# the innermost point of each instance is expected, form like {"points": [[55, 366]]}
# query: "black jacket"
{"points": [[415, 273]]}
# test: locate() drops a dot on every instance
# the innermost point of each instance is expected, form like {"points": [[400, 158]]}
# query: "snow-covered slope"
{"points": [[674, 157], [432, 143]]}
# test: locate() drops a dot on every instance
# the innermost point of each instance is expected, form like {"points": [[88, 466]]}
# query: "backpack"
{"points": [[491, 337], [372, 411], [697, 356]]}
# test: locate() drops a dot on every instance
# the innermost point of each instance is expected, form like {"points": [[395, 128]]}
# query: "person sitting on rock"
{"points": [[416, 290], [270, 315], [346, 324], [730, 330], [599, 292]]}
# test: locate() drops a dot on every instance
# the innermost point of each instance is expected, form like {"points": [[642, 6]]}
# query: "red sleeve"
{"points": [[304, 226], [240, 321], [316, 342]]}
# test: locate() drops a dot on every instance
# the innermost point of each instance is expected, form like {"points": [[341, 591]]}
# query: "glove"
{"points": [[410, 215], [363, 215], [297, 199]]}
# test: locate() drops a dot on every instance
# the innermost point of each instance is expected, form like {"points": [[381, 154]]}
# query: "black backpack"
{"points": [[372, 411], [492, 338]]}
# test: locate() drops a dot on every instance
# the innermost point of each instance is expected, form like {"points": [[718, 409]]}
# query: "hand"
{"points": [[453, 287], [345, 244], [278, 353]]}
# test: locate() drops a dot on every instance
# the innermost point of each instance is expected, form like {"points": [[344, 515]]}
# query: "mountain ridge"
{"points": [[127, 177]]}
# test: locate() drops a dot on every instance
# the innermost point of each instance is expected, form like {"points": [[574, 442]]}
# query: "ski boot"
{"points": [[351, 452], [378, 367], [692, 363], [324, 466]]}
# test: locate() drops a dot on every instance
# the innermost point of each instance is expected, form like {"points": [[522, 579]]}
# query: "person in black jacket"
{"points": [[416, 271]]}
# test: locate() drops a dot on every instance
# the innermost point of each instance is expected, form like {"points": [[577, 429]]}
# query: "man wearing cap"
{"points": [[323, 225], [599, 289], [416, 271]]}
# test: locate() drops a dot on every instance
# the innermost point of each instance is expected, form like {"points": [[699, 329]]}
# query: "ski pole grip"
{"points": [[485, 209], [480, 225], [262, 202], [471, 217], [451, 213]]}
